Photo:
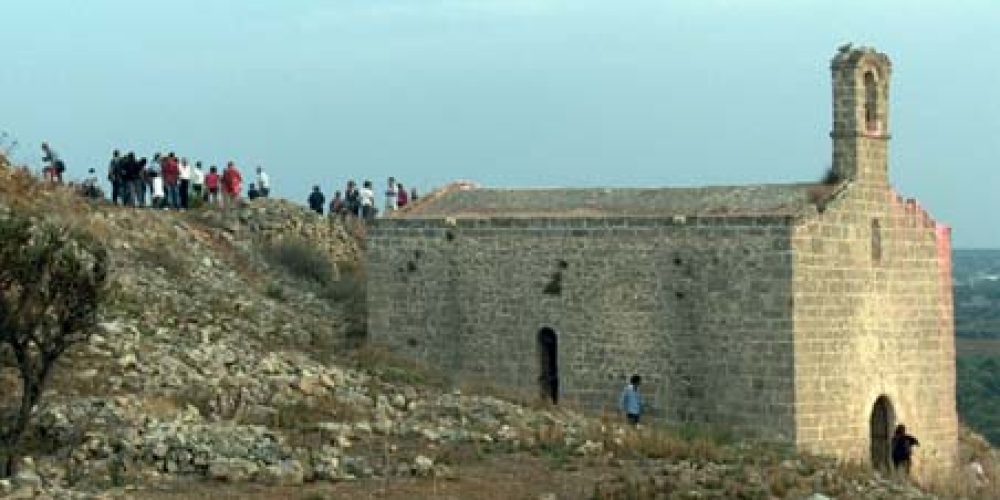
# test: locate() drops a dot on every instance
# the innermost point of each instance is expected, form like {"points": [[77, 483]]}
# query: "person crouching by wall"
{"points": [[631, 400], [902, 449]]}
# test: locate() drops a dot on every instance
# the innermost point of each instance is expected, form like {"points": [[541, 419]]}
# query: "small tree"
{"points": [[52, 281]]}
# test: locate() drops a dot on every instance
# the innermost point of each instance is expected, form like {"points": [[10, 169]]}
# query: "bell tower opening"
{"points": [[871, 104]]}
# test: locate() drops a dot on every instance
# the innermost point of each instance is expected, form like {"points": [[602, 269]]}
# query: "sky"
{"points": [[507, 93]]}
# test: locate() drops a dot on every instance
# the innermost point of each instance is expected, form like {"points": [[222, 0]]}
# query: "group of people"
{"points": [[361, 202], [165, 181], [170, 182]]}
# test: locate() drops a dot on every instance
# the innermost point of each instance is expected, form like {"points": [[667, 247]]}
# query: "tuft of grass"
{"points": [[301, 260]]}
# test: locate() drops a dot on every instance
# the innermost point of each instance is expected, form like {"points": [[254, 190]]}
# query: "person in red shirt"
{"points": [[171, 172], [232, 184], [212, 185]]}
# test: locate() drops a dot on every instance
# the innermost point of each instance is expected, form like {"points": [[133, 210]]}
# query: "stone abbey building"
{"points": [[813, 314]]}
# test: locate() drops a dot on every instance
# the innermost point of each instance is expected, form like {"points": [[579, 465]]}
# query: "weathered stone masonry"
{"points": [[783, 312], [651, 296]]}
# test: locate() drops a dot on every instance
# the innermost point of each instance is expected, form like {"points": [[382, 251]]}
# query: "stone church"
{"points": [[816, 314]]}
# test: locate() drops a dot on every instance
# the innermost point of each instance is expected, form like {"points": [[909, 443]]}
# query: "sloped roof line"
{"points": [[467, 200]]}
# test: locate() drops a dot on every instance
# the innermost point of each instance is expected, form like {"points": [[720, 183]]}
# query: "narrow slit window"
{"points": [[871, 103]]}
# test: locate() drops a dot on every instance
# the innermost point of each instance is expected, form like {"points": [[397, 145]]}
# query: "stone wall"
{"points": [[873, 317], [700, 307], [873, 293]]}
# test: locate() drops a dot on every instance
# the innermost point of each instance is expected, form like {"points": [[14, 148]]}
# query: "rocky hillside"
{"points": [[230, 362]]}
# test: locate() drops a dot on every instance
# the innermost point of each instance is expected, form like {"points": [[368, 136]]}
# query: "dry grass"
{"points": [[302, 260], [390, 368], [159, 255], [303, 415], [964, 483], [530, 399], [657, 442]]}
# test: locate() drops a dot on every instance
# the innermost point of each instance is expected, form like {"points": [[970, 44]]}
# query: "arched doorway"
{"points": [[548, 361], [882, 421]]}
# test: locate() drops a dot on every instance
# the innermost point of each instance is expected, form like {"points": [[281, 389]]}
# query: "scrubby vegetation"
{"points": [[301, 260], [51, 284]]}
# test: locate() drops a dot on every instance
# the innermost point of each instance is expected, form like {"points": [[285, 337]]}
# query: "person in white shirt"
{"points": [[390, 196], [367, 195], [185, 183], [158, 192], [263, 183], [198, 182]]}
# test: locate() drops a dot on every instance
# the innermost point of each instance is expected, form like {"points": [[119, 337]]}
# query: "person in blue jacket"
{"points": [[631, 401]]}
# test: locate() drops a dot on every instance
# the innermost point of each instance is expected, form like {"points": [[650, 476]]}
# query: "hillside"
{"points": [[230, 363]]}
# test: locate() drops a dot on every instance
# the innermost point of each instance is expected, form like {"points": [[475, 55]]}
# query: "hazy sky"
{"points": [[508, 92]]}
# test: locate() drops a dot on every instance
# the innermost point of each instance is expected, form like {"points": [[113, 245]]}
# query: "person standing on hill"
{"points": [[170, 171], [390, 196], [115, 178], [54, 168], [263, 183], [631, 400], [132, 176], [143, 181], [367, 197], [337, 205], [352, 202], [902, 449], [197, 182], [317, 200], [184, 186], [212, 185], [232, 184], [156, 182]]}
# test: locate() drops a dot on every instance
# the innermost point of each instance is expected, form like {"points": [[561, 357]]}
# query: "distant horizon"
{"points": [[508, 93]]}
